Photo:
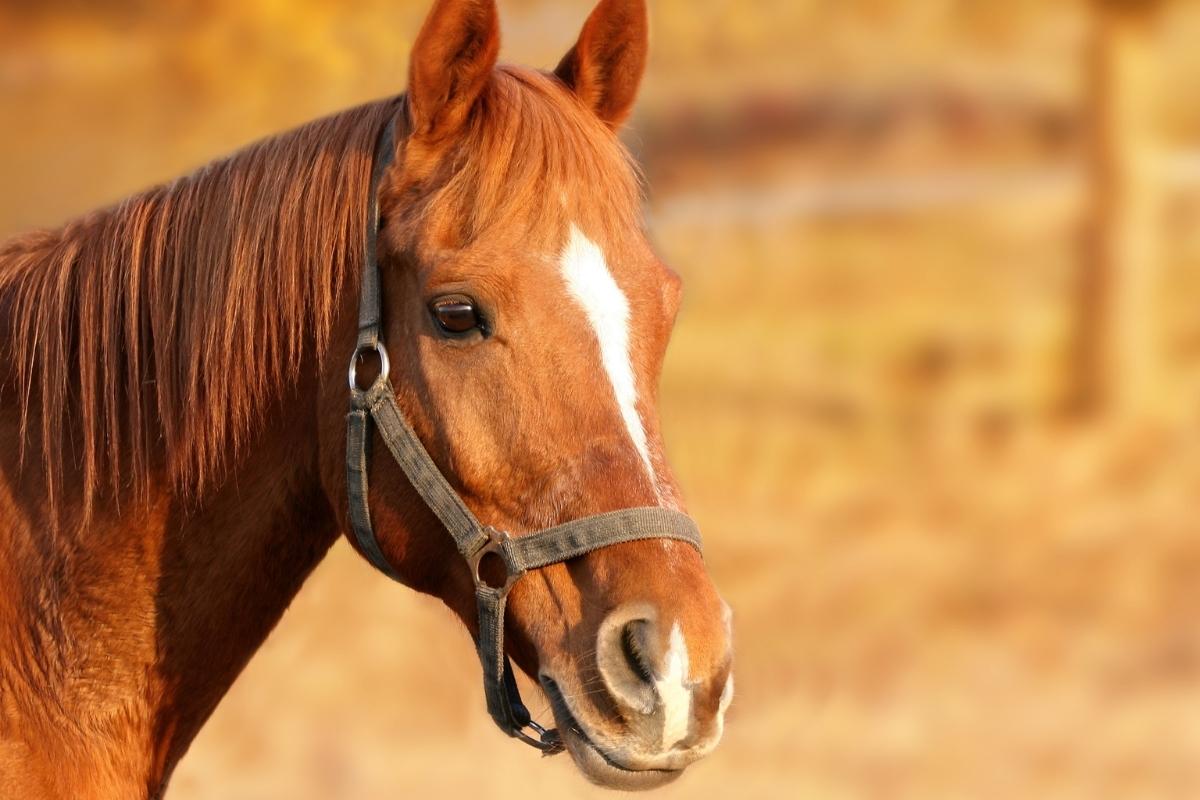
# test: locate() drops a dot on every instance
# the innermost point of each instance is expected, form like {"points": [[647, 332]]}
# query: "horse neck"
{"points": [[131, 629], [230, 569]]}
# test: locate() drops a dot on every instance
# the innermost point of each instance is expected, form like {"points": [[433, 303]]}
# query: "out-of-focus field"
{"points": [[945, 585]]}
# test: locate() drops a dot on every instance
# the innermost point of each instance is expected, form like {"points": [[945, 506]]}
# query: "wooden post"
{"points": [[1118, 345]]}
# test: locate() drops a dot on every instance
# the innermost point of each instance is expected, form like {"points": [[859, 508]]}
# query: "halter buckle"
{"points": [[549, 741], [494, 544], [385, 366]]}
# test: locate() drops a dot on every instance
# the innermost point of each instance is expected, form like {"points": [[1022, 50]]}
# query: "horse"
{"points": [[173, 421]]}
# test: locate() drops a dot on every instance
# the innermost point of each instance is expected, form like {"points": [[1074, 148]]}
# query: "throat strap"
{"points": [[374, 410]]}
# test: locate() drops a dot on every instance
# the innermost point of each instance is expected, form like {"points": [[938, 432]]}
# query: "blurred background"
{"points": [[933, 396]]}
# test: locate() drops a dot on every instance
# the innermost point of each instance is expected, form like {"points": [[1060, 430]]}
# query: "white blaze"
{"points": [[591, 284]]}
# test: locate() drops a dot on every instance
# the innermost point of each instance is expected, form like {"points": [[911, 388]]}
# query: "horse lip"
{"points": [[593, 761]]}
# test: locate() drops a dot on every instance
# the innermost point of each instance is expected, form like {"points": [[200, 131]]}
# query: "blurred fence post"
{"points": [[1118, 340]]}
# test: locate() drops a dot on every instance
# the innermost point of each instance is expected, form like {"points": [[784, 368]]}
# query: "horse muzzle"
{"points": [[648, 716]]}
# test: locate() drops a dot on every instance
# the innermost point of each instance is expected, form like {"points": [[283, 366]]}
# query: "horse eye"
{"points": [[455, 315]]}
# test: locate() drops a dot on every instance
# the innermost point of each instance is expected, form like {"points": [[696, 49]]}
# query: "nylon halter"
{"points": [[376, 409]]}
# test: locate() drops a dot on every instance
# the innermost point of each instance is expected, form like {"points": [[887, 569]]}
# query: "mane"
{"points": [[167, 322], [160, 328]]}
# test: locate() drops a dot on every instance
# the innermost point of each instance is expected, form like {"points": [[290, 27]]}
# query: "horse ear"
{"points": [[452, 61], [605, 66]]}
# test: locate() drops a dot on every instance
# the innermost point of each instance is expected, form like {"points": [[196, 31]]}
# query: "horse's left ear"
{"points": [[605, 66]]}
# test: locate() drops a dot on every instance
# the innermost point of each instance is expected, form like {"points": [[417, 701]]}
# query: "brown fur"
{"points": [[172, 398]]}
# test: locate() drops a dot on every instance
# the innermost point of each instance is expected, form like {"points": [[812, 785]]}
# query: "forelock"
{"points": [[533, 158]]}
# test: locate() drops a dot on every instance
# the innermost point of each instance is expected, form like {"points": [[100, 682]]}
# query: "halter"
{"points": [[376, 408]]}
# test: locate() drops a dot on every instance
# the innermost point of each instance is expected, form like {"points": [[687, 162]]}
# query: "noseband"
{"points": [[376, 408]]}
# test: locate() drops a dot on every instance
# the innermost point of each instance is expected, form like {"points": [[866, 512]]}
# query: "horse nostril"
{"points": [[628, 656], [635, 645]]}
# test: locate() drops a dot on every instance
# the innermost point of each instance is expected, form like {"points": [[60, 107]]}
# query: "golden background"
{"points": [[949, 486]]}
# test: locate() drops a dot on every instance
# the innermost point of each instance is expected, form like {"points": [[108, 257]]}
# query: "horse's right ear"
{"points": [[452, 61]]}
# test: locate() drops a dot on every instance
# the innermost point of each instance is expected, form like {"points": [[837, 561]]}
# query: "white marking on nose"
{"points": [[674, 691], [726, 696], [722, 707], [592, 285]]}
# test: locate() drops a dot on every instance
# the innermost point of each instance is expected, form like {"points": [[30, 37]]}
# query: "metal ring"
{"points": [[548, 741], [495, 544], [385, 366]]}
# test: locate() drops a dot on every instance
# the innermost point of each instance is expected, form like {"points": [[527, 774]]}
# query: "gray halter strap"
{"points": [[375, 409]]}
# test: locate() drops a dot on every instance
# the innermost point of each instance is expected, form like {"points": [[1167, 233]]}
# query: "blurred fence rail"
{"points": [[888, 193]]}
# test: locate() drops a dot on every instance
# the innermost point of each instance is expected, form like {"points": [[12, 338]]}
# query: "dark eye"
{"points": [[455, 314]]}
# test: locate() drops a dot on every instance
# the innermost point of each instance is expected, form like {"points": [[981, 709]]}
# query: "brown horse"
{"points": [[173, 401]]}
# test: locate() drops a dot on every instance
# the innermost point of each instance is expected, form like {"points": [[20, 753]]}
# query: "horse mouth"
{"points": [[597, 765]]}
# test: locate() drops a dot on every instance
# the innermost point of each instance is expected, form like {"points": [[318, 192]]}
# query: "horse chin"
{"points": [[603, 771], [596, 765]]}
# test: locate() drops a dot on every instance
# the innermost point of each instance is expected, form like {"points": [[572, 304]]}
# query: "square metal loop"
{"points": [[494, 545]]}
